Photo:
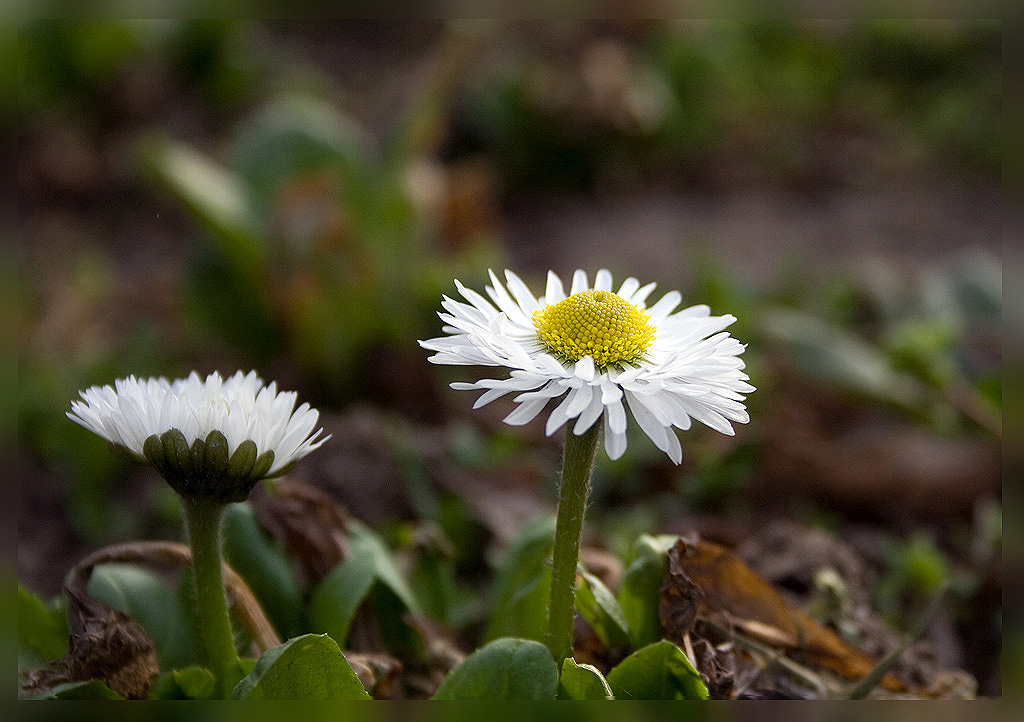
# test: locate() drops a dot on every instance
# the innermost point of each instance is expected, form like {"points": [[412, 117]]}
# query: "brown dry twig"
{"points": [[170, 554]]}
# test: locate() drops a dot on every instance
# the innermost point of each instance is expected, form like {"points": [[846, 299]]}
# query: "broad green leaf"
{"points": [[506, 668], [657, 671], [582, 681], [192, 682], [366, 541], [369, 571], [264, 567], [433, 581], [293, 137], [602, 611], [831, 355], [336, 599], [638, 593], [195, 682], [307, 667], [90, 689], [523, 585], [42, 631], [215, 195], [153, 604], [400, 638], [968, 291]]}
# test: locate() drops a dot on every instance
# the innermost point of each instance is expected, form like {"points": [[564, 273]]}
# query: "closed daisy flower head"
{"points": [[604, 351], [213, 438]]}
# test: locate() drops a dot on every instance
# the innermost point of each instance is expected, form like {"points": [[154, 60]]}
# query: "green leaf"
{"points": [[336, 599], [365, 541], [582, 681], [833, 356], [506, 668], [90, 689], [523, 585], [192, 682], [264, 568], [307, 667], [153, 604], [638, 593], [42, 631], [195, 682], [292, 137], [369, 572], [657, 671], [433, 582], [602, 611], [215, 195], [370, 575]]}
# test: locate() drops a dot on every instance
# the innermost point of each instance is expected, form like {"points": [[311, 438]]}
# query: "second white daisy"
{"points": [[211, 437], [604, 351]]}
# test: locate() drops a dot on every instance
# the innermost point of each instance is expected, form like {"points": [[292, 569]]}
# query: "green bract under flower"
{"points": [[210, 439], [204, 469]]}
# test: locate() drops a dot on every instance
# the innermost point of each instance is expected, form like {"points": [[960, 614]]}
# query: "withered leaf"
{"points": [[708, 581], [311, 523], [716, 668], [377, 672], [104, 644]]}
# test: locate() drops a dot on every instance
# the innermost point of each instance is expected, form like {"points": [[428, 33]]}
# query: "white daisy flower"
{"points": [[211, 437], [603, 350]]}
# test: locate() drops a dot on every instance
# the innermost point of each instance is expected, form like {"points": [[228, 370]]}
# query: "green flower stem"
{"points": [[203, 522], [577, 469]]}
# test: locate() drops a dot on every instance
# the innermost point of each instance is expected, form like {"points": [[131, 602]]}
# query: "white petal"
{"points": [[641, 294], [603, 280], [554, 292], [522, 294], [476, 300], [648, 422], [664, 306], [614, 444], [590, 414], [578, 399], [489, 396], [584, 368], [550, 391], [525, 412], [579, 282], [610, 393], [504, 301], [628, 288], [615, 413], [557, 418]]}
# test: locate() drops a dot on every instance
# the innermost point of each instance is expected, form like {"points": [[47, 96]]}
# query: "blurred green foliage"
{"points": [[915, 569], [309, 247], [677, 97]]}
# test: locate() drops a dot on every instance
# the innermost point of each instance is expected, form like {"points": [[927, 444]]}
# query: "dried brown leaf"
{"points": [[169, 554], [708, 581], [104, 643], [310, 522], [377, 672]]}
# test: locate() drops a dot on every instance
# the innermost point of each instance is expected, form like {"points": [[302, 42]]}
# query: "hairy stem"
{"points": [[577, 469], [203, 522]]}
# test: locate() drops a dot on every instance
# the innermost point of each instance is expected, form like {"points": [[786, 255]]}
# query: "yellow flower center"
{"points": [[594, 323]]}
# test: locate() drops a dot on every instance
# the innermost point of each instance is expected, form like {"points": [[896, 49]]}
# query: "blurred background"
{"points": [[295, 198]]}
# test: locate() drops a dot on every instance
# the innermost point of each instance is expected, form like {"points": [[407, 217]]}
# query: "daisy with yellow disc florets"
{"points": [[600, 351], [604, 351]]}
